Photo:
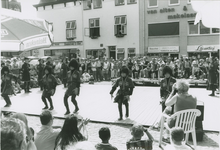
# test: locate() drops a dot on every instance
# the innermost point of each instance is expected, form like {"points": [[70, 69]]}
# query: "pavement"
{"points": [[95, 103]]}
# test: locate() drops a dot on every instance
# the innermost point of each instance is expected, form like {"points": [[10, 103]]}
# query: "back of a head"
{"points": [[104, 133], [21, 117], [45, 117], [137, 130], [84, 145], [182, 86], [177, 134], [13, 133]]}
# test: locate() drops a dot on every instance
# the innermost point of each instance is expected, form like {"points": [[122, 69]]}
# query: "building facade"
{"points": [[108, 28], [169, 30]]}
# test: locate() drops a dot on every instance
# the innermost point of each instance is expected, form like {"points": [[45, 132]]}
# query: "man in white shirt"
{"points": [[45, 138]]}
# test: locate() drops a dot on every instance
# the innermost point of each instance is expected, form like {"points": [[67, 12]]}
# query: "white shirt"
{"points": [[177, 147], [45, 138]]}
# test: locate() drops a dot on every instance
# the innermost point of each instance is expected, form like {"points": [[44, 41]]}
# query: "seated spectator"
{"points": [[70, 133], [13, 135], [138, 141], [85, 77], [83, 145], [45, 138], [104, 135], [177, 135]]}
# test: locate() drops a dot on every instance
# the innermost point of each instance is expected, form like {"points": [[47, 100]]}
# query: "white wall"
{"points": [[106, 15]]}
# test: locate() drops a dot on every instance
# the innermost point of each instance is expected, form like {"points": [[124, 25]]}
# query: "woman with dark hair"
{"points": [[126, 89], [73, 79], [49, 86], [6, 85], [64, 70], [70, 133]]}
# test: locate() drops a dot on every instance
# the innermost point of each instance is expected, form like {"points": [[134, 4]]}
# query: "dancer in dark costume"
{"points": [[126, 89], [49, 85], [73, 80]]}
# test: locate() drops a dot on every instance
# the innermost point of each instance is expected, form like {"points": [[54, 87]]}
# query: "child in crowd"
{"points": [[104, 135], [177, 135], [138, 140], [85, 77]]}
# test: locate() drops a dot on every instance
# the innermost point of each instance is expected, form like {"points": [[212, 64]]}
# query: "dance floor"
{"points": [[95, 103]]}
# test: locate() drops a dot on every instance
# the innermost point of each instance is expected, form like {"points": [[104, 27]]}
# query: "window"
{"points": [[70, 30], [193, 29], [174, 2], [199, 28], [203, 29], [132, 1], [119, 2], [97, 3], [94, 30], [120, 53], [120, 26], [86, 4], [152, 3], [131, 52], [163, 29]]}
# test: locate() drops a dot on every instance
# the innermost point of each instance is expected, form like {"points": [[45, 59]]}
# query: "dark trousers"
{"points": [[26, 86], [120, 102], [7, 99], [46, 97], [65, 82], [73, 99], [40, 83], [187, 73]]}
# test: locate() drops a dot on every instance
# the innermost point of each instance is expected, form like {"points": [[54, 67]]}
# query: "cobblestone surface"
{"points": [[120, 134]]}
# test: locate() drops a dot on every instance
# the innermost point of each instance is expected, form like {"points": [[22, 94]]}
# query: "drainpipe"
{"points": [[83, 47], [144, 27]]}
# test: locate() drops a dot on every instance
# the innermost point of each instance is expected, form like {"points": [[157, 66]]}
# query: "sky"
{"points": [[27, 6]]}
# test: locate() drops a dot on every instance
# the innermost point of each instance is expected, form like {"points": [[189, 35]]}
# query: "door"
{"points": [[112, 52]]}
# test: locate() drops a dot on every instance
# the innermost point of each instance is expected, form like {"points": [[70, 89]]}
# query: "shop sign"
{"points": [[203, 48], [67, 43], [163, 49]]}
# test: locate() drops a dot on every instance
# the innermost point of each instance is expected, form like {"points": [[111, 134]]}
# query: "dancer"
{"points": [[64, 70], [126, 89], [73, 79], [49, 87], [6, 85], [26, 75], [166, 85]]}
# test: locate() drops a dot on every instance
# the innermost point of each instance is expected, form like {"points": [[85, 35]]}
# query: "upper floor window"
{"points": [[70, 30], [87, 4], [97, 3], [152, 3], [174, 2], [119, 2], [201, 29], [132, 1], [120, 26], [94, 29], [163, 29]]}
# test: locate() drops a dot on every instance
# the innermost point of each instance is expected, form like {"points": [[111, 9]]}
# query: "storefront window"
{"points": [[215, 30], [152, 3], [193, 29], [203, 29]]}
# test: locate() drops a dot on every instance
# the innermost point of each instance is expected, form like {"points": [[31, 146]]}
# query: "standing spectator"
{"points": [[187, 68], [105, 69], [138, 140], [49, 62], [94, 70], [136, 70], [112, 66], [212, 78], [6, 85], [105, 135], [98, 69], [45, 138], [70, 133], [64, 70], [26, 75], [40, 72], [8, 64], [83, 66], [13, 135], [88, 66], [15, 69], [130, 66], [57, 68]]}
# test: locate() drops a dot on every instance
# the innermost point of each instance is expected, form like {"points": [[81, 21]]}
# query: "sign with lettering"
{"points": [[163, 49], [37, 42], [203, 48]]}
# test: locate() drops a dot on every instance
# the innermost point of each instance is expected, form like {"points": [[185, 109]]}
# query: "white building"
{"points": [[97, 28]]}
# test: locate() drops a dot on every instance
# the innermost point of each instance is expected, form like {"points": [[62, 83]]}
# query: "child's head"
{"points": [[137, 131], [104, 134], [177, 135]]}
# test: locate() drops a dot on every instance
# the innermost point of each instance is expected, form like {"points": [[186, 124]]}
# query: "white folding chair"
{"points": [[185, 119]]}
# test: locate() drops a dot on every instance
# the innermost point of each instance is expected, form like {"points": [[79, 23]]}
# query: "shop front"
{"points": [[203, 51], [163, 51], [95, 53]]}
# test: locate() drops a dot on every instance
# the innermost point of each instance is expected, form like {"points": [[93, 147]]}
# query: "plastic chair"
{"points": [[186, 120]]}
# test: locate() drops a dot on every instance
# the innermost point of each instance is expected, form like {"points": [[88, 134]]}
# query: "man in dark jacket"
{"points": [[26, 75]]}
